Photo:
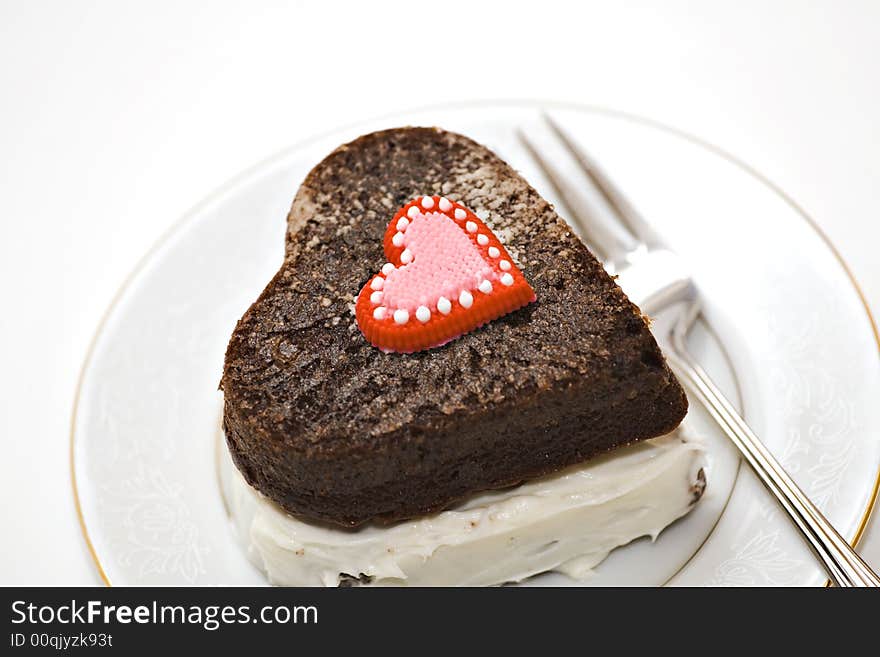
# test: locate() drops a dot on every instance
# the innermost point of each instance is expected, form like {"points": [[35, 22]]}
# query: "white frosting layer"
{"points": [[567, 522]]}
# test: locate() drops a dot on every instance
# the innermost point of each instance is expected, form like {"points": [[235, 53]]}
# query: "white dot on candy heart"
{"points": [[471, 227], [387, 268], [401, 316], [507, 279], [376, 297], [406, 257], [444, 204], [460, 214], [466, 299], [423, 314], [397, 240], [504, 265], [377, 283], [413, 211], [402, 223], [494, 252], [379, 313], [482, 240], [485, 287], [427, 202], [444, 305]]}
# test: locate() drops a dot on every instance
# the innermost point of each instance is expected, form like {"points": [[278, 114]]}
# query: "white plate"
{"points": [[777, 295]]}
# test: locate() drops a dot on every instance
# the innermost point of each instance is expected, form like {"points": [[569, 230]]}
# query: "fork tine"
{"points": [[617, 202], [602, 240]]}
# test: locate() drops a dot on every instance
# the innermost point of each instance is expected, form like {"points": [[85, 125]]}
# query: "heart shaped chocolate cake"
{"points": [[435, 330]]}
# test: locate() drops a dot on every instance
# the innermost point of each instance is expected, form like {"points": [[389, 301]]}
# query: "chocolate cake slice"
{"points": [[333, 429]]}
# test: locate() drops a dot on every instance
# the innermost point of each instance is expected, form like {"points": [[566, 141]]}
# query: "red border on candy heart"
{"points": [[415, 335]]}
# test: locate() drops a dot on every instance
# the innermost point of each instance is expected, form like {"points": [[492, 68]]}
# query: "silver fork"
{"points": [[657, 279]]}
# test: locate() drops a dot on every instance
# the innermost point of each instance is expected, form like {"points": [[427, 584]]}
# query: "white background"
{"points": [[116, 117]]}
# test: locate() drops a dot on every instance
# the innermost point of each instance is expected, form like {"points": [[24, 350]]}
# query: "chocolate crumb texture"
{"points": [[334, 430]]}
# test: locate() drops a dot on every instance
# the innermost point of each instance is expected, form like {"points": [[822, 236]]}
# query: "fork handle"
{"points": [[845, 567]]}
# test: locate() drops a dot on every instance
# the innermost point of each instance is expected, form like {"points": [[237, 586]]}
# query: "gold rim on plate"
{"points": [[863, 523]]}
